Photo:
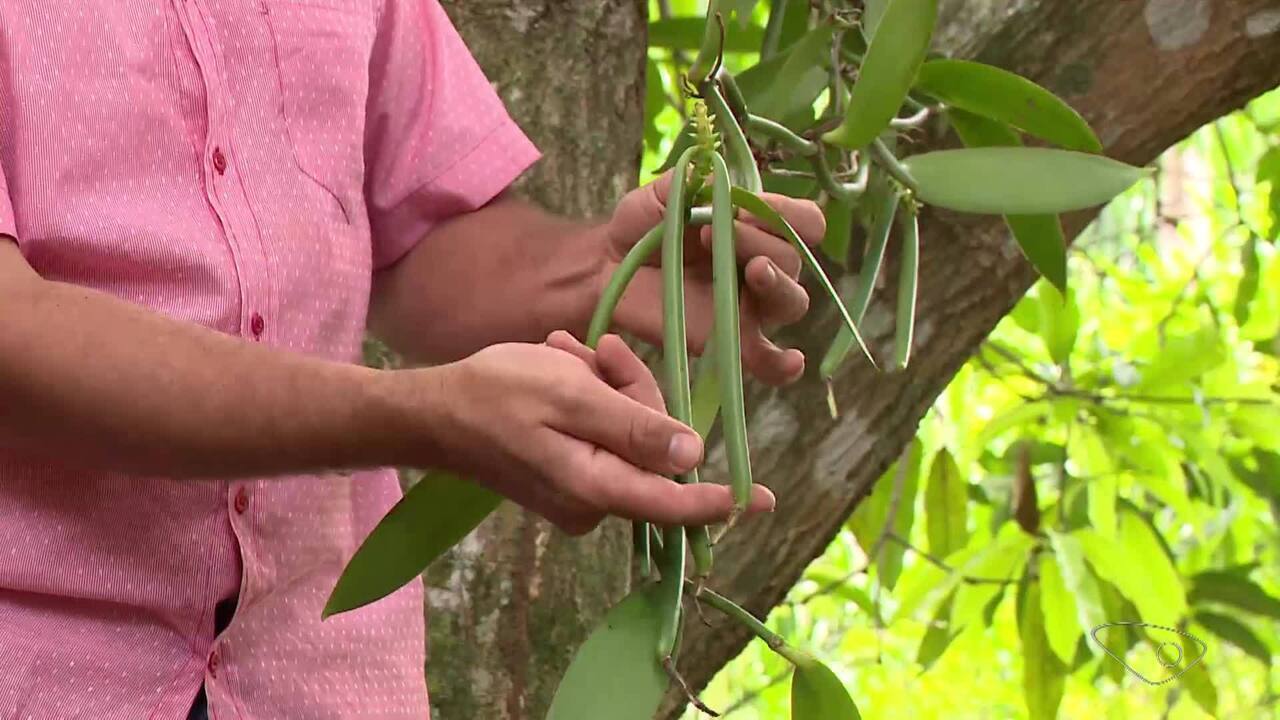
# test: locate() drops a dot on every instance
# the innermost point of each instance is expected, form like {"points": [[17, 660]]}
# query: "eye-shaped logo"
{"points": [[1169, 652]]}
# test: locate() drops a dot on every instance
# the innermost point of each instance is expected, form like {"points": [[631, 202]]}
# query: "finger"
{"points": [[803, 215], [624, 370], [766, 361], [780, 299], [640, 435], [750, 241], [565, 341], [618, 488]]}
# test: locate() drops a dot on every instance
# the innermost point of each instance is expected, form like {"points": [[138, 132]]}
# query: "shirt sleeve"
{"points": [[7, 224], [439, 141]]}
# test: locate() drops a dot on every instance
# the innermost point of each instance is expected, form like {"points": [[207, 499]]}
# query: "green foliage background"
{"points": [[1143, 409]]}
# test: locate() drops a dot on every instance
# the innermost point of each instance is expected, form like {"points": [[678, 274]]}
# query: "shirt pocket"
{"points": [[322, 50]]}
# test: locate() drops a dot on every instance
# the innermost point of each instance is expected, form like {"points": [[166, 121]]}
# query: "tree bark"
{"points": [[509, 606]]}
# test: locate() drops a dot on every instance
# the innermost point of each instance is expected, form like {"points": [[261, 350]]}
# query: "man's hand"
{"points": [[572, 434], [771, 295]]}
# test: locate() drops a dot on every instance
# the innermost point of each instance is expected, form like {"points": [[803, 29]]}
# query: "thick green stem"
{"points": [[912, 121], [886, 159], [639, 254], [781, 133], [743, 618], [842, 191]]}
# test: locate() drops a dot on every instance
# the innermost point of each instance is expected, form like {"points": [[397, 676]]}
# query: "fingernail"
{"points": [[685, 450], [771, 276]]}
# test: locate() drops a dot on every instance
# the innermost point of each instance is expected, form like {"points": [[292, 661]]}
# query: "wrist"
{"points": [[410, 410]]}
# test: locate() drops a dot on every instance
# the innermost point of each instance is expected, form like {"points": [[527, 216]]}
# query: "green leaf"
{"points": [[1062, 625], [1182, 359], [1008, 98], [888, 71], [1236, 633], [1136, 563], [1199, 685], [1043, 674], [1247, 290], [872, 12], [937, 638], [615, 674], [946, 502], [871, 517], [1042, 242], [685, 33], [1227, 588], [1079, 581], [816, 692], [1039, 236], [890, 561], [432, 517], [835, 244], [1018, 180], [838, 584], [806, 64], [1059, 323], [792, 86], [1269, 172], [763, 211], [1102, 504]]}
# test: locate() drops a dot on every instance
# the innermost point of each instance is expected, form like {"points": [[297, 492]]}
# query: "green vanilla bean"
{"points": [[676, 357], [880, 230], [635, 258], [728, 341], [908, 278], [704, 406], [601, 319], [640, 547]]}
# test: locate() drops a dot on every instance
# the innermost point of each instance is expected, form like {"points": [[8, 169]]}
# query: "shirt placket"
{"points": [[223, 182], [226, 194]]}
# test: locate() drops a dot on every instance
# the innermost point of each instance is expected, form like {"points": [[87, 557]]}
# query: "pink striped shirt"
{"points": [[244, 165]]}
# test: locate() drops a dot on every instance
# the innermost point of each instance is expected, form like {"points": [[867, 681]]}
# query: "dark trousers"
{"points": [[222, 613]]}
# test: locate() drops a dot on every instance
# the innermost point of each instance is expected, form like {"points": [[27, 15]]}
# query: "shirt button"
{"points": [[242, 501], [219, 161], [213, 664], [257, 325]]}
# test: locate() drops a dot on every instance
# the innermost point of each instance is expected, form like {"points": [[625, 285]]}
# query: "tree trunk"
{"points": [[508, 608]]}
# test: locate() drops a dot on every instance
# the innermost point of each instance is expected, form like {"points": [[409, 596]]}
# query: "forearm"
{"points": [[94, 380], [509, 272]]}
